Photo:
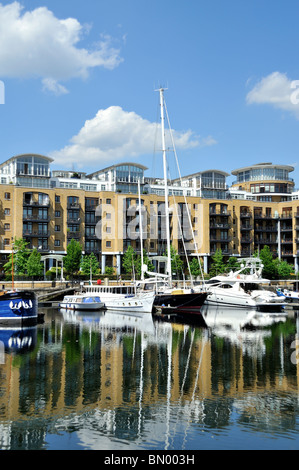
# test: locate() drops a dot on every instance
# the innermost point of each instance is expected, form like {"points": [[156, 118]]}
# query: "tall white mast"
{"points": [[161, 90], [140, 232]]}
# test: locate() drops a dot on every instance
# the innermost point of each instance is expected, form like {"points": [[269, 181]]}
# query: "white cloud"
{"points": [[37, 44], [276, 90], [114, 134], [52, 85]]}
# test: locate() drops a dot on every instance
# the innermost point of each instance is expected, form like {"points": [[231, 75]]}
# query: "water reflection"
{"points": [[111, 380]]}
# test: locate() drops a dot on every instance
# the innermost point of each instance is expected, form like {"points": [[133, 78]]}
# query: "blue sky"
{"points": [[80, 79]]}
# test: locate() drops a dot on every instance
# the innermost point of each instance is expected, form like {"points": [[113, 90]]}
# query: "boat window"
{"points": [[226, 286], [213, 281]]}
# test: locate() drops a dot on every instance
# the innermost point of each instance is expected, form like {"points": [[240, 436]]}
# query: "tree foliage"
{"points": [[34, 265], [90, 263], [195, 268], [20, 257], [218, 266], [274, 268], [129, 259], [72, 260], [132, 262]]}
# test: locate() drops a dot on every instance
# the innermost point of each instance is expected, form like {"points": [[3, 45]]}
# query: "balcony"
{"points": [[36, 218], [259, 215], [220, 212], [245, 215], [215, 238], [246, 240], [73, 205], [91, 236], [75, 235], [39, 234], [219, 225], [36, 203], [73, 220]]}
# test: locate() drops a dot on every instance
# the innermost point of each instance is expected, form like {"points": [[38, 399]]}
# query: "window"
{"points": [[108, 244], [6, 226], [57, 213], [108, 201], [7, 196], [108, 216], [56, 242], [57, 228], [108, 229], [57, 198], [7, 211], [6, 241]]}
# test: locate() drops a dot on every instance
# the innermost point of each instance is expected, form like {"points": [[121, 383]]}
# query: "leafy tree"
{"points": [[283, 269], [195, 267], [20, 257], [109, 270], [218, 265], [72, 260], [90, 262], [129, 260], [274, 268], [34, 264], [232, 264], [269, 269]]}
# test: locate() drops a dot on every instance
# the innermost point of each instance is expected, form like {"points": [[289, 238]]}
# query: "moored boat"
{"points": [[18, 307], [244, 288], [124, 298], [82, 302]]}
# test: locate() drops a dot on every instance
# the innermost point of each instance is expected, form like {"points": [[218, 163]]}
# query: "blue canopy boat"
{"points": [[18, 307]]}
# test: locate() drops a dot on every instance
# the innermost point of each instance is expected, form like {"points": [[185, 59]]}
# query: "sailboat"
{"points": [[168, 298]]}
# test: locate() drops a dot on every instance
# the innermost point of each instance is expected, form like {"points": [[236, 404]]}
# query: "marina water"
{"points": [[111, 381]]}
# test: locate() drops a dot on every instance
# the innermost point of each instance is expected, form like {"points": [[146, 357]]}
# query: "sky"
{"points": [[79, 82]]}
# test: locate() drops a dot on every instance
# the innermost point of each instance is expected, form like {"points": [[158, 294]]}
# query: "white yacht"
{"points": [[82, 302], [244, 288], [123, 298]]}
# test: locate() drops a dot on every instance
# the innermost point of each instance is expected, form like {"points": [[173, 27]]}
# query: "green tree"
{"points": [[195, 268], [109, 270], [129, 259], [34, 265], [90, 262], [72, 260], [232, 264], [269, 269], [283, 269], [20, 257], [218, 265]]}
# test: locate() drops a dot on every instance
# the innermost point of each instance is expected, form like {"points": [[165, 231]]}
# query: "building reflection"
{"points": [[123, 372]]}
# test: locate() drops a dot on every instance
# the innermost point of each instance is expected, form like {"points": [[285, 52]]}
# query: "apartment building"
{"points": [[101, 211]]}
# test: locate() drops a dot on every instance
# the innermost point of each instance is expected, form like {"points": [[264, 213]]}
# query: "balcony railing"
{"points": [[40, 234]]}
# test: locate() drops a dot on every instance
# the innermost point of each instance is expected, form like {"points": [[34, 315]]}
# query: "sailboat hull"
{"points": [[180, 303]]}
